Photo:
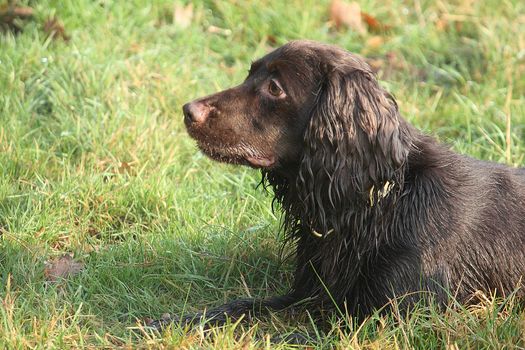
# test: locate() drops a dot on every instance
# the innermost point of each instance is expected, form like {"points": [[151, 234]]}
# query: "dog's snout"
{"points": [[195, 112]]}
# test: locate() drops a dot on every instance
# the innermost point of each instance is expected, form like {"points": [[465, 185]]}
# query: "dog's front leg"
{"points": [[233, 311]]}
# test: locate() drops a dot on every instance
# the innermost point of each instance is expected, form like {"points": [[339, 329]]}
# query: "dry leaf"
{"points": [[218, 30], [272, 40], [373, 23], [375, 42], [62, 268], [441, 24], [8, 10], [11, 15], [124, 167], [347, 14], [182, 15], [446, 22], [54, 29]]}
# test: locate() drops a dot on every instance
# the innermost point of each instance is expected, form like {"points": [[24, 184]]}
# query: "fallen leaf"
{"points": [[373, 23], [134, 48], [388, 65], [218, 30], [445, 22], [347, 14], [182, 15], [441, 24], [62, 268], [15, 11], [375, 42], [54, 29], [272, 40], [11, 16], [124, 167]]}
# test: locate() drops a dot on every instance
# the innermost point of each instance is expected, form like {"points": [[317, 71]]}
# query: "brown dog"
{"points": [[378, 210]]}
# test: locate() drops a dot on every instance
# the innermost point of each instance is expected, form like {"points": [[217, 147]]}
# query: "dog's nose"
{"points": [[195, 112]]}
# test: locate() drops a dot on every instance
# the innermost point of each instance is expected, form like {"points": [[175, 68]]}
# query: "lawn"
{"points": [[95, 164]]}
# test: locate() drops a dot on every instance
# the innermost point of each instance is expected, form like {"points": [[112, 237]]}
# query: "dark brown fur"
{"points": [[377, 209]]}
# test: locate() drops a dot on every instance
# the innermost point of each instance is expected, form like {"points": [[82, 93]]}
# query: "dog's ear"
{"points": [[355, 142]]}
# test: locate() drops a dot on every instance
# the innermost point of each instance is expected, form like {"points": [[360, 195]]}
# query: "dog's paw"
{"points": [[159, 324]]}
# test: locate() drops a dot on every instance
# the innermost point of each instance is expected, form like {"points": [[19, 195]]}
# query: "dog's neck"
{"points": [[354, 208], [322, 219]]}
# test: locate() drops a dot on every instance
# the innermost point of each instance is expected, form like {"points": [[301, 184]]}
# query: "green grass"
{"points": [[95, 161]]}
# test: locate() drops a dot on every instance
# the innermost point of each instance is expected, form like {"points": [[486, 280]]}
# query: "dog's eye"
{"points": [[275, 89]]}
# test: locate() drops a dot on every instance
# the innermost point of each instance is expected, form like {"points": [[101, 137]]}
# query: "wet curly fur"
{"points": [[378, 211]]}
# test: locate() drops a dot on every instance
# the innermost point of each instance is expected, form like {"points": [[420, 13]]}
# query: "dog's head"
{"points": [[260, 122], [309, 105]]}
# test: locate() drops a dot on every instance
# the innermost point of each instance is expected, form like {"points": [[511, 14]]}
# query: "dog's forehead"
{"points": [[308, 53], [298, 51], [287, 59], [279, 61], [310, 50]]}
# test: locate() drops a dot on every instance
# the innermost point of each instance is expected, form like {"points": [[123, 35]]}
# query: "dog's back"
{"points": [[471, 230]]}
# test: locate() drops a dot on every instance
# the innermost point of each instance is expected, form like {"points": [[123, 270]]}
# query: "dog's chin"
{"points": [[261, 162], [228, 155]]}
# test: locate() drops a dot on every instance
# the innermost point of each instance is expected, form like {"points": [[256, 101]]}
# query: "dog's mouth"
{"points": [[241, 154]]}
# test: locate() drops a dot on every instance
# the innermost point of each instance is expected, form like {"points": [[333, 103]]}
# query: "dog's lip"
{"points": [[234, 155], [261, 162]]}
